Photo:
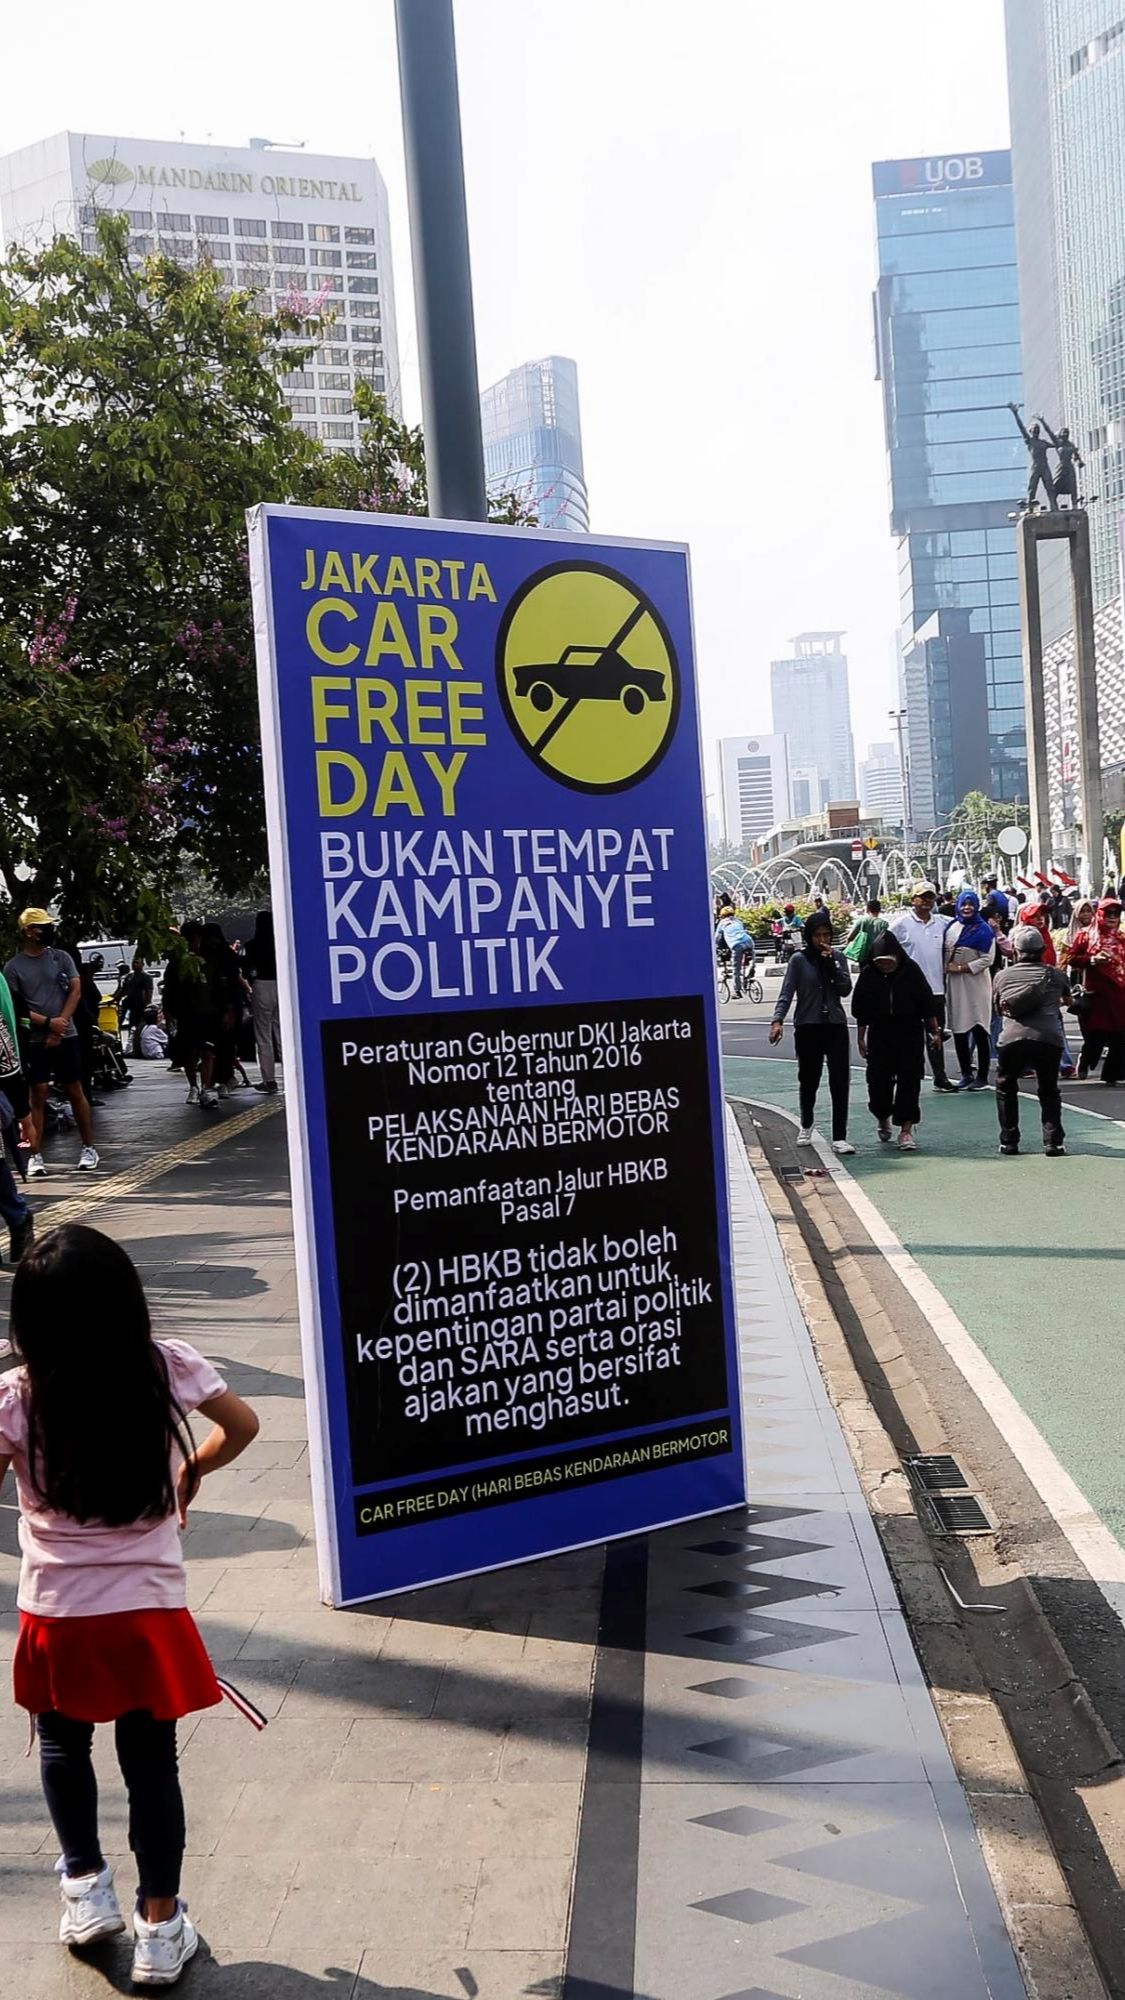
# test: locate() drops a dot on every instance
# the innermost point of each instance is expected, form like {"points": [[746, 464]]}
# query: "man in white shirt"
{"points": [[922, 937]]}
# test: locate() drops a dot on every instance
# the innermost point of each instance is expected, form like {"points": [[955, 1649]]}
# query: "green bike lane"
{"points": [[1028, 1252]]}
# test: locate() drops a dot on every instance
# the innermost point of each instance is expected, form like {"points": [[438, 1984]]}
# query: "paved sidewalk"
{"points": [[769, 1808], [802, 1830]]}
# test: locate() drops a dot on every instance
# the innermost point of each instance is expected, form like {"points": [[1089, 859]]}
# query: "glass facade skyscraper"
{"points": [[532, 437], [947, 331], [1066, 83], [811, 706]]}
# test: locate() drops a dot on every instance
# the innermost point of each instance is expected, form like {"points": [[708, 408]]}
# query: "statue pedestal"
{"points": [[1072, 525]]}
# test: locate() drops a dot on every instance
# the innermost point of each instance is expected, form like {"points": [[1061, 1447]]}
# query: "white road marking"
{"points": [[1091, 1540]]}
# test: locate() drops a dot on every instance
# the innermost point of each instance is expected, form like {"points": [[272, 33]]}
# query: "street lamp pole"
{"points": [[439, 241], [898, 717]]}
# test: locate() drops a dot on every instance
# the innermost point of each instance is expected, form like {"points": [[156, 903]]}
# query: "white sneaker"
{"points": [[90, 1908], [87, 1160], [208, 1099], [222, 1090], [805, 1136], [193, 1095], [842, 1146], [161, 1951], [36, 1171]]}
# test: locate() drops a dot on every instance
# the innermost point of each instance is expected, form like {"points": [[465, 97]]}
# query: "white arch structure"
{"points": [[747, 883]]}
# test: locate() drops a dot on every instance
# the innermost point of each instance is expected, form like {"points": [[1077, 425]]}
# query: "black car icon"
{"points": [[590, 673]]}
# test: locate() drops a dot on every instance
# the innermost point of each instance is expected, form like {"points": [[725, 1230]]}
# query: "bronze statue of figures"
{"points": [[1066, 477], [1038, 468]]}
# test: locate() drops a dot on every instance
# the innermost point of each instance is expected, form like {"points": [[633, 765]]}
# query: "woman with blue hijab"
{"points": [[970, 951]]}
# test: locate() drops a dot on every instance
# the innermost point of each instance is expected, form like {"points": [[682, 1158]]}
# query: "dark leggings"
{"points": [[963, 1043], [815, 1046], [146, 1752]]}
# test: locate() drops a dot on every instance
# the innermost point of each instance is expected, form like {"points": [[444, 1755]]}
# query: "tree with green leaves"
{"points": [[142, 411], [977, 820]]}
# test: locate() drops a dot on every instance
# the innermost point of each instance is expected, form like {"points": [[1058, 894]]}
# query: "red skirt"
{"points": [[95, 1669]]}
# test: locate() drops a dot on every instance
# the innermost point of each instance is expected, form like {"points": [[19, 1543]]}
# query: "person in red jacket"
{"points": [[1097, 955]]}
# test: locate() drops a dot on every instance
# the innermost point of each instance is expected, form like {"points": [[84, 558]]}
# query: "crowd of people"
{"points": [[998, 979], [64, 1038]]}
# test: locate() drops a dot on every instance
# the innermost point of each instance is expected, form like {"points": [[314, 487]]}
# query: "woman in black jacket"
{"points": [[894, 1007]]}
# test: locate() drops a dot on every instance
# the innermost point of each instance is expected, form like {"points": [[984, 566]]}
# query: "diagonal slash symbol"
{"points": [[569, 706]]}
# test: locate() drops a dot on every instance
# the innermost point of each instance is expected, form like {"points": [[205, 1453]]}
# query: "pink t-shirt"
{"points": [[76, 1569]]}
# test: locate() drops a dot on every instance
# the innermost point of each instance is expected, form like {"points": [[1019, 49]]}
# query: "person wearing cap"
{"points": [[46, 990], [1029, 997], [922, 936]]}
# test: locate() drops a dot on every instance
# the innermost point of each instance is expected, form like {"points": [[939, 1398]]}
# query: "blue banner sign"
{"points": [[488, 851]]}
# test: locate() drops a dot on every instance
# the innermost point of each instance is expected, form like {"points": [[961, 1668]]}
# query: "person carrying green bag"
{"points": [[860, 941]]}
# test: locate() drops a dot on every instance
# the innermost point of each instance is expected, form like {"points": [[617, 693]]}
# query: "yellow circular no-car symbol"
{"points": [[588, 676]]}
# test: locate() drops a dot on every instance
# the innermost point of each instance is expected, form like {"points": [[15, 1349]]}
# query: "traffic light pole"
{"points": [[439, 240]]}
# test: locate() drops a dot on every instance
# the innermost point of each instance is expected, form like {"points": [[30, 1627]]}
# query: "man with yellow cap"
{"points": [[46, 990]]}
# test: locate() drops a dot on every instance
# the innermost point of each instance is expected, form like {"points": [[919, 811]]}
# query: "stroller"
{"points": [[108, 1068]]}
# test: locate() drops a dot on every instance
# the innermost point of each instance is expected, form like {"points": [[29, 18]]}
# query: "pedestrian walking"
{"points": [[1082, 916], [818, 979], [922, 936], [1030, 995], [46, 990], [136, 995], [1098, 955], [260, 966], [970, 955], [106, 1468], [15, 1102], [859, 944], [893, 1007]]}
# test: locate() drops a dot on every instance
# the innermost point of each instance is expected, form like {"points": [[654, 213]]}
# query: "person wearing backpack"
{"points": [[47, 990]]}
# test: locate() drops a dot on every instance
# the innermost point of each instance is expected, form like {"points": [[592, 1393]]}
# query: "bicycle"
{"points": [[752, 989]]}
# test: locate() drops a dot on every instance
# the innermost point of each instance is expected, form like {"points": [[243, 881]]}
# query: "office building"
{"points": [[533, 441], [1066, 86], [880, 782], [754, 773], [947, 334], [809, 691], [290, 226]]}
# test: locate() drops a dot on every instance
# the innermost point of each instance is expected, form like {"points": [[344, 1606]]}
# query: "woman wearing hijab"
{"points": [[970, 953], [819, 980], [1098, 955], [1081, 917], [1039, 917], [893, 1006]]}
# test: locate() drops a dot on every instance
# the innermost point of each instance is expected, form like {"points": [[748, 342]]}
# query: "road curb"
{"points": [[1047, 1931]]}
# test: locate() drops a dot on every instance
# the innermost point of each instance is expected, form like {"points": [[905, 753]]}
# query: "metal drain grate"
{"points": [[958, 1514], [934, 1471]]}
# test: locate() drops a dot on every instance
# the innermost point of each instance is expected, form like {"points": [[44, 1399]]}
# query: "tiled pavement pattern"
{"points": [[802, 1831], [405, 1828]]}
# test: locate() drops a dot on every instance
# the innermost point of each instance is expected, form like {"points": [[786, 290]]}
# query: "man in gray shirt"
{"points": [[1028, 997], [46, 990]]}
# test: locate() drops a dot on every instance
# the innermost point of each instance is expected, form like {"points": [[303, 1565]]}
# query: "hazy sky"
{"points": [[678, 195]]}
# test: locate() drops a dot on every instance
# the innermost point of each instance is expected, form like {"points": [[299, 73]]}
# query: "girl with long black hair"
{"points": [[106, 1468]]}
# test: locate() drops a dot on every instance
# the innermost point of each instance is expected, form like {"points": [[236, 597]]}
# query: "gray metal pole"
{"points": [[439, 237], [1086, 698], [1038, 785]]}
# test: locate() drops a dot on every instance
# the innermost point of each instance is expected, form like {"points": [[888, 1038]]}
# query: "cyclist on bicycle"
{"points": [[732, 932]]}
